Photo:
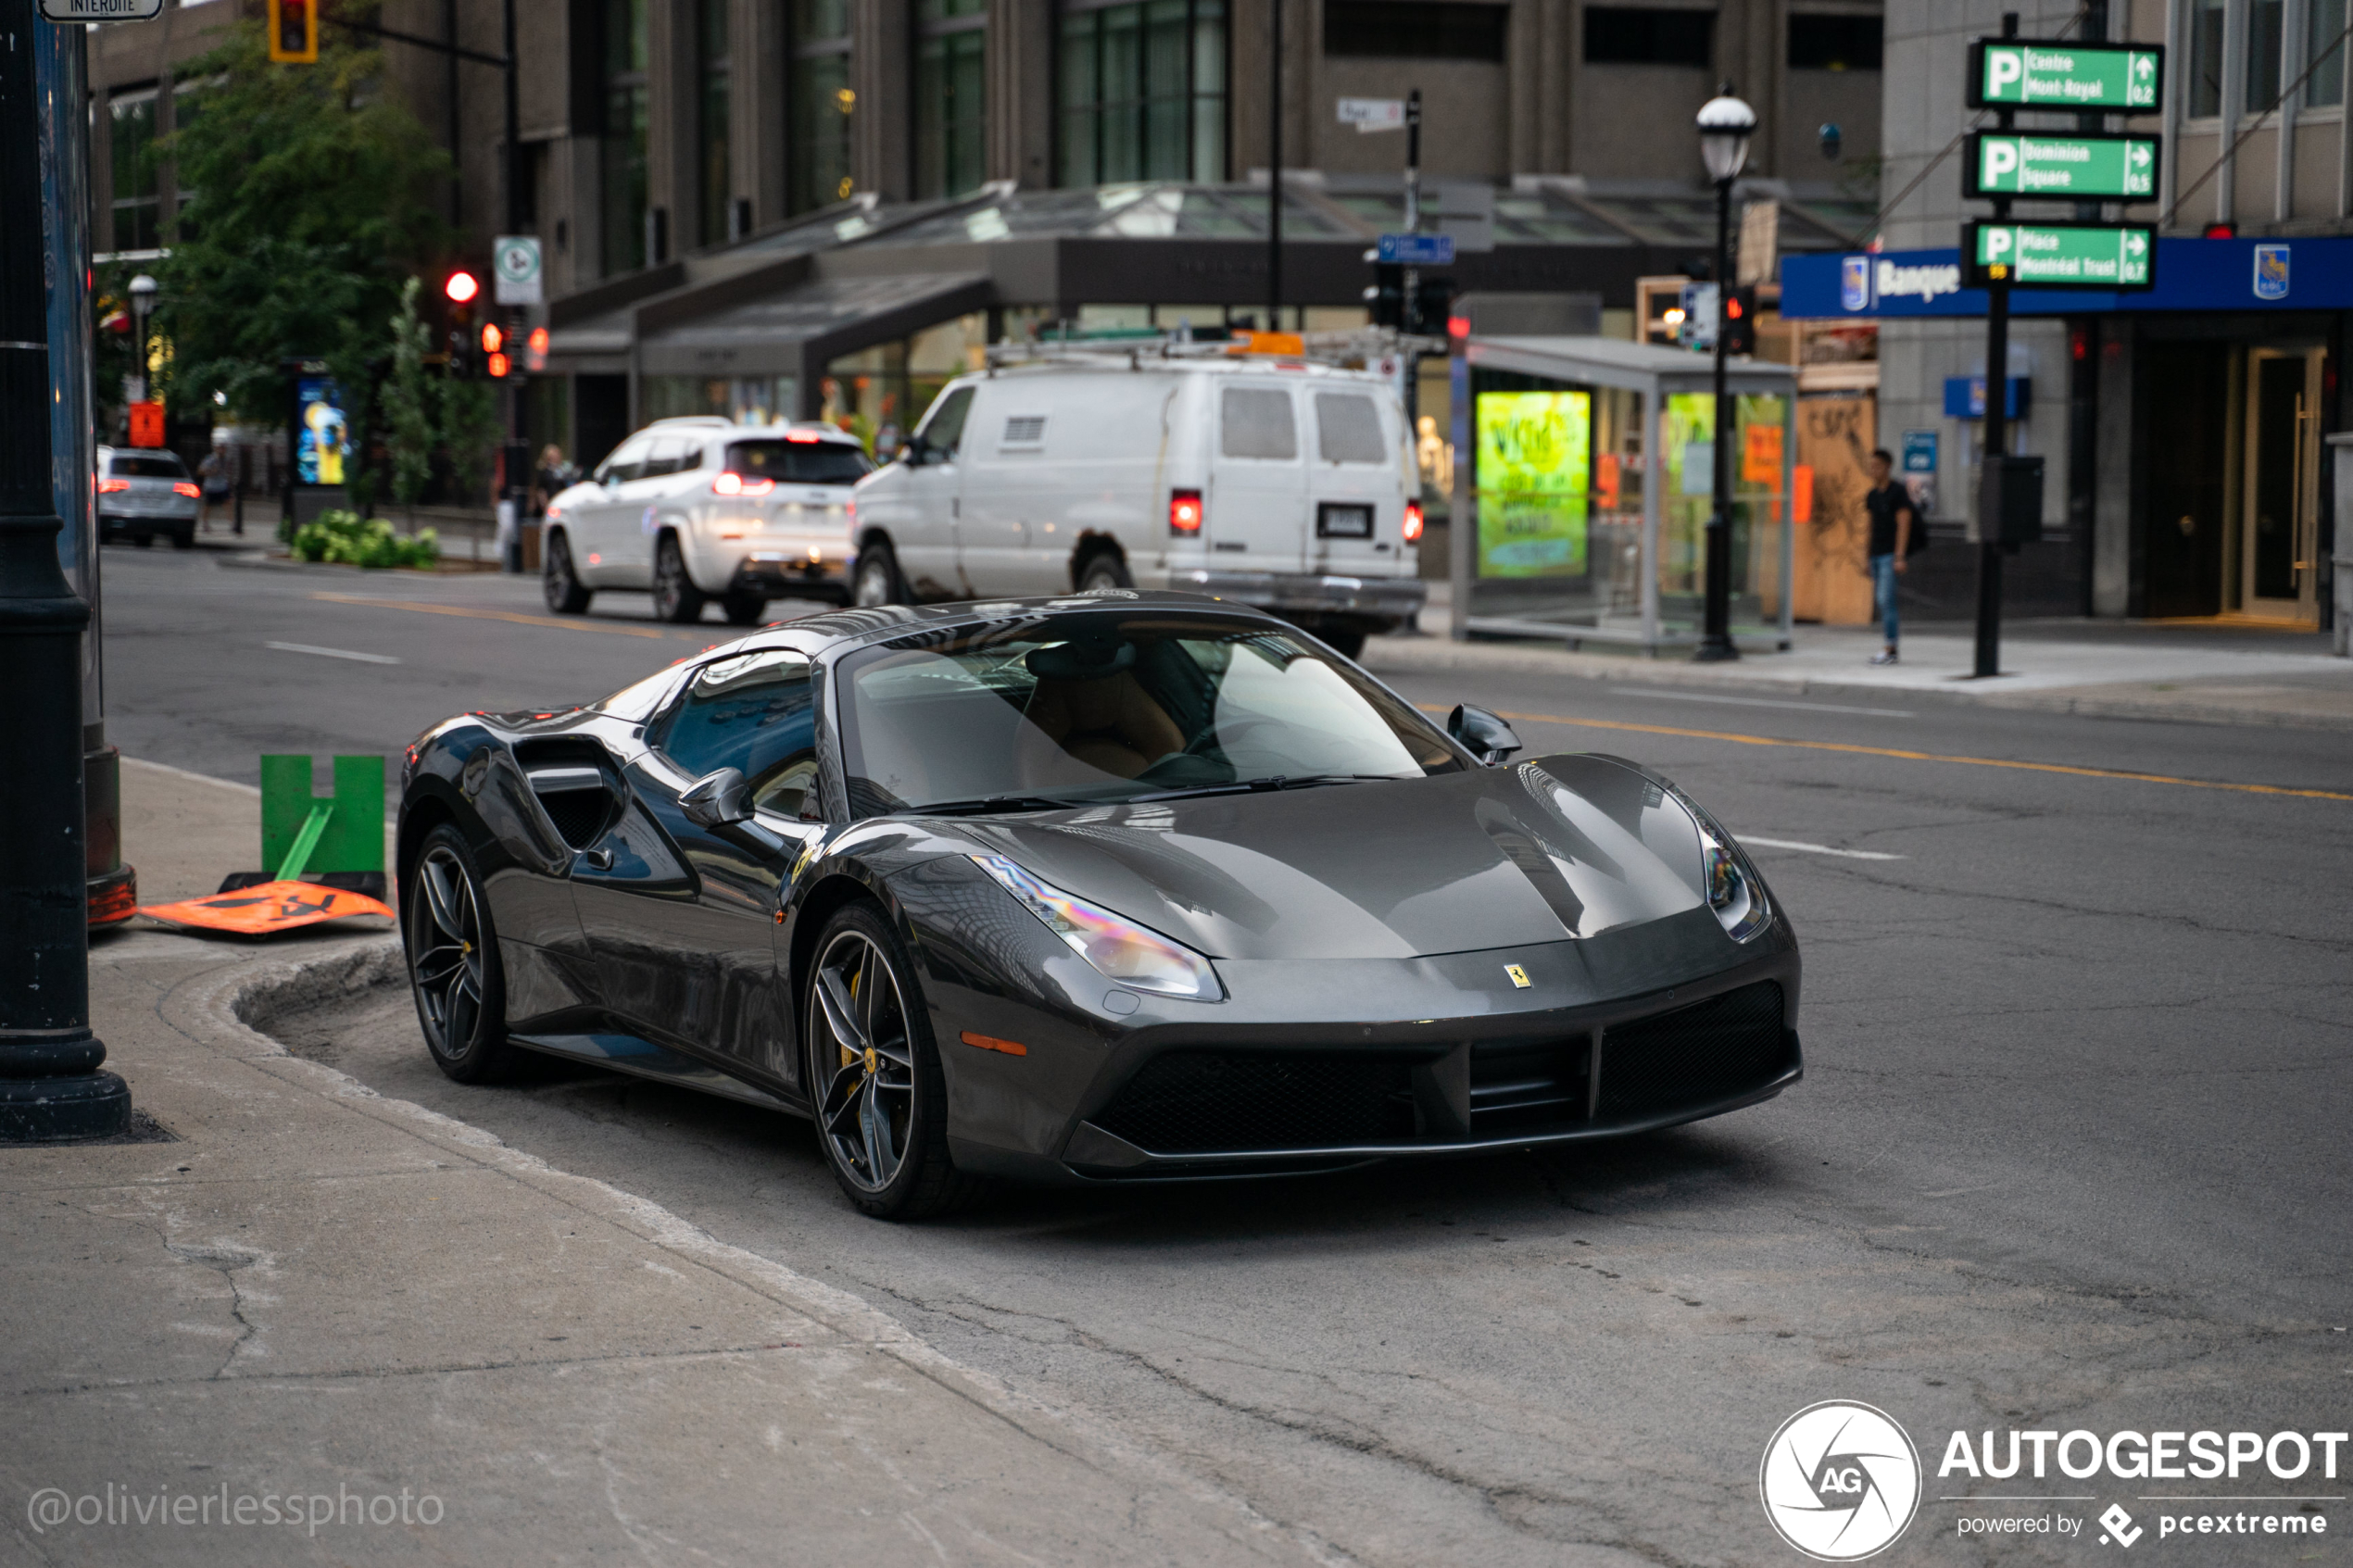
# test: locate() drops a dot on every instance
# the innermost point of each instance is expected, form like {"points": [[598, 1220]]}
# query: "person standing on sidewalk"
{"points": [[212, 477], [1892, 518]]}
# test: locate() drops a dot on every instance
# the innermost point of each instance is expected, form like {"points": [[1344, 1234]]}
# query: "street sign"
{"points": [[2059, 256], [2073, 168], [101, 11], [514, 265], [1373, 113], [1418, 250], [2014, 73]]}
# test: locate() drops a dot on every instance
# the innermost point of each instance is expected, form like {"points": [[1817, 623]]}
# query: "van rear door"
{"points": [[1255, 513], [1356, 481]]}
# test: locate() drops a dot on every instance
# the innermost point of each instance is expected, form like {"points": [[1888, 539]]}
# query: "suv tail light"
{"points": [[1413, 522], [107, 487], [186, 489], [1184, 512], [732, 483]]}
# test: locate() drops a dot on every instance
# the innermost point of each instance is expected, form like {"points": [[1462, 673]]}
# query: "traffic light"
{"points": [[462, 288], [1740, 321], [494, 351], [294, 32], [1386, 298], [1433, 302]]}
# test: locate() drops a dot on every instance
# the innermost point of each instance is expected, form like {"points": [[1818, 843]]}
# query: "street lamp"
{"points": [[1725, 125], [143, 302]]}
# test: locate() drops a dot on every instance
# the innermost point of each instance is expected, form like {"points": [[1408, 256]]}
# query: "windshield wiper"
{"points": [[985, 805], [1259, 786]]}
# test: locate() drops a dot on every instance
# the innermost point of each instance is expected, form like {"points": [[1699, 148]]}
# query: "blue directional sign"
{"points": [[1418, 250]]}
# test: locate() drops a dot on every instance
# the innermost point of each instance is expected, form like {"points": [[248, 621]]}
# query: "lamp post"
{"points": [[143, 304], [1725, 125]]}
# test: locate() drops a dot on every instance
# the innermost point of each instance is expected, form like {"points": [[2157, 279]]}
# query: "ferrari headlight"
{"points": [[1115, 946], [1733, 891]]}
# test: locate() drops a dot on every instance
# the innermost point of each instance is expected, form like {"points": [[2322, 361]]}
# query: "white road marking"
{"points": [[254, 790], [1816, 849], [333, 653], [1770, 702], [1960, 1192]]}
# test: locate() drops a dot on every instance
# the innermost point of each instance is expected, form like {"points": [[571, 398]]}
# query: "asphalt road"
{"points": [[2069, 1153]]}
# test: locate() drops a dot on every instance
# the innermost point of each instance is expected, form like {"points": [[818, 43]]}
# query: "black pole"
{"points": [[1716, 634], [1997, 390], [1275, 174], [51, 1088], [516, 461]]}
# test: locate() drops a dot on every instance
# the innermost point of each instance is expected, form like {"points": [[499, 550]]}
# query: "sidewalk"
{"points": [[421, 1344], [2206, 673]]}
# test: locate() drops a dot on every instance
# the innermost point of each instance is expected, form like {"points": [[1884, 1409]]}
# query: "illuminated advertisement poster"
{"points": [[1535, 462], [323, 439]]}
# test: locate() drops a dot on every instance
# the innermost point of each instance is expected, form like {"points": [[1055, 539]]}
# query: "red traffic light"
{"points": [[497, 366], [493, 340], [2222, 231], [461, 287]]}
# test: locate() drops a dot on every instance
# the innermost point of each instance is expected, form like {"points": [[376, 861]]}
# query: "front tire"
{"points": [[1103, 569], [744, 609], [1349, 642], [874, 1074], [877, 581], [454, 972], [676, 599], [558, 583]]}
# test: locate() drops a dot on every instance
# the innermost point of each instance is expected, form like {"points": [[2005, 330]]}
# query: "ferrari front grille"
{"points": [[1694, 1056], [1192, 1102]]}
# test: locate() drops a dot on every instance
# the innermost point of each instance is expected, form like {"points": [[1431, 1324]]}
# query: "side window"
{"points": [[944, 431], [668, 455], [754, 712], [1348, 428], [1255, 422], [625, 464]]}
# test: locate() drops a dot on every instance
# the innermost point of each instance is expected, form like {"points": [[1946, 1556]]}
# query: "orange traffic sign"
{"points": [[267, 908]]}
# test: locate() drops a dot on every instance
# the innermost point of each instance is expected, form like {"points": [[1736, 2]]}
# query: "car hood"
{"points": [[1538, 851]]}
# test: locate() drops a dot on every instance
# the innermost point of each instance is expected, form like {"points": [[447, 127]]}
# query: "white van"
{"points": [[1274, 482]]}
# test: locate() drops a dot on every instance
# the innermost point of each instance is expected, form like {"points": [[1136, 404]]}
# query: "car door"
{"points": [[680, 919], [1256, 510], [595, 519], [639, 503], [1355, 489], [923, 530]]}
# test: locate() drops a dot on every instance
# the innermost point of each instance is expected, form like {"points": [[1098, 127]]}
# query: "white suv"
{"points": [[701, 508]]}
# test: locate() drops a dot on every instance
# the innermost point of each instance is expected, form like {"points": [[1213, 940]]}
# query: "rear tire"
{"points": [[142, 538], [454, 972], [676, 599], [1103, 568], [184, 538], [558, 581], [744, 609], [1349, 644], [876, 580]]}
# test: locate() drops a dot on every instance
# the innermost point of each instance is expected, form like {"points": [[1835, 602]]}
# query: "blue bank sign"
{"points": [[2242, 274]]}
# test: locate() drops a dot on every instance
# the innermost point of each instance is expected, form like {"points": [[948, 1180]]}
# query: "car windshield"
{"points": [[799, 462], [160, 465], [1102, 706]]}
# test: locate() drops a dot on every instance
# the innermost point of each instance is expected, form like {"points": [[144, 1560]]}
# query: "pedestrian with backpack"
{"points": [[1893, 522]]}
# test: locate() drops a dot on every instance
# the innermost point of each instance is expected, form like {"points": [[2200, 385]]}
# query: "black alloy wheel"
{"points": [[558, 581], [877, 581], [676, 599], [1103, 569], [874, 1074], [743, 609], [453, 963]]}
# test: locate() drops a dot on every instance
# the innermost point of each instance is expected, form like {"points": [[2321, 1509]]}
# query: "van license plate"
{"points": [[1336, 521]]}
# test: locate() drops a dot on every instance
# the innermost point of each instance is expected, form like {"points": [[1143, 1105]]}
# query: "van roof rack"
{"points": [[1355, 349]]}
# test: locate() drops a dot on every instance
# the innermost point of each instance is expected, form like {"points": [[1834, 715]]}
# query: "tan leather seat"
{"points": [[1110, 725]]}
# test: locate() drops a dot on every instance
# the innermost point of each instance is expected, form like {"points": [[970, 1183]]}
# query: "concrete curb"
{"points": [[232, 1008]]}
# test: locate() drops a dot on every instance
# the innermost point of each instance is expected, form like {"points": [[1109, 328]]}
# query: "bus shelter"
{"points": [[1589, 486]]}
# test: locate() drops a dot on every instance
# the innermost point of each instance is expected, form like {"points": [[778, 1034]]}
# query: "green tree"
{"points": [[470, 429], [309, 205], [409, 400]]}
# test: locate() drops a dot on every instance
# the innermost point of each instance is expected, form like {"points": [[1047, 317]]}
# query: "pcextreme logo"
{"points": [[1841, 1481]]}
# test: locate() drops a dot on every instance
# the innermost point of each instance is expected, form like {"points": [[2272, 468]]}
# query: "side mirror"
{"points": [[915, 451], [1482, 733], [718, 799]]}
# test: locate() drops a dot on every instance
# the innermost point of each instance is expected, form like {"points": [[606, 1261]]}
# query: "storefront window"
{"points": [[2324, 41], [2206, 59], [949, 68], [623, 164], [822, 104], [748, 400], [717, 186], [137, 175], [2265, 33], [1143, 93]]}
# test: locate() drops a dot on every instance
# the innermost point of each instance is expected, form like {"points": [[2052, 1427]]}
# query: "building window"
{"points": [[2266, 31], [2324, 40], [1411, 30], [1627, 35], [623, 153], [1143, 93], [138, 185], [821, 104], [949, 67], [2206, 59], [718, 188], [1835, 43]]}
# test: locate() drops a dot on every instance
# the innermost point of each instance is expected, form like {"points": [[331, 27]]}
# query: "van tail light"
{"points": [[732, 483], [1413, 522], [1184, 512], [188, 490], [107, 487]]}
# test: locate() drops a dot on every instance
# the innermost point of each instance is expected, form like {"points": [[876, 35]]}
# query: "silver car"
{"points": [[142, 493], [699, 508]]}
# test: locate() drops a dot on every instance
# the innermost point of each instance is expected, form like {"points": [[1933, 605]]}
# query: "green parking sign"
{"points": [[2059, 256], [2070, 168], [2008, 72]]}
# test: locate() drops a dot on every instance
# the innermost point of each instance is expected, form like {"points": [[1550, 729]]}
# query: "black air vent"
{"points": [[1192, 1102], [1518, 1086], [1694, 1056]]}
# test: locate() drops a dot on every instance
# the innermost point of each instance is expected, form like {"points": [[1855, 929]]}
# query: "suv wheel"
{"points": [[876, 582], [1103, 568], [558, 581], [675, 596]]}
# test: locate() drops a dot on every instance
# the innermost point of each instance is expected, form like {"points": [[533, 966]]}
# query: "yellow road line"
{"points": [[1919, 756], [517, 617]]}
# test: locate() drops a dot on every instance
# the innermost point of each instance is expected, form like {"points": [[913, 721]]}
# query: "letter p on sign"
{"points": [[2000, 158], [2003, 68]]}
